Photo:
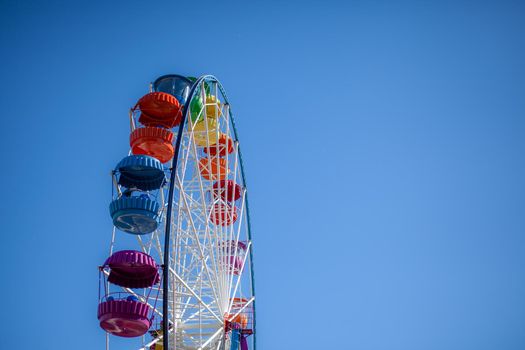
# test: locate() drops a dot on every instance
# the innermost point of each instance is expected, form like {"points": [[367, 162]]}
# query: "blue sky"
{"points": [[384, 145]]}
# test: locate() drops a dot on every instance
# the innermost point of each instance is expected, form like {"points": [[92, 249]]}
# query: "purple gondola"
{"points": [[124, 318], [128, 314], [234, 253], [132, 269]]}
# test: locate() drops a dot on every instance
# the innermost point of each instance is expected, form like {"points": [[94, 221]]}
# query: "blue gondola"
{"points": [[135, 215], [140, 172]]}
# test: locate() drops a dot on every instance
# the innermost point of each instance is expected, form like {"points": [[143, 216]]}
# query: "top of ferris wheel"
{"points": [[176, 85]]}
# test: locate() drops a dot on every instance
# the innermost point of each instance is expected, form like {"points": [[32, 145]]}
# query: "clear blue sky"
{"points": [[384, 145]]}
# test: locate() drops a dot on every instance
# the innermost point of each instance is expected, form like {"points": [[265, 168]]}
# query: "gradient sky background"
{"points": [[384, 145]]}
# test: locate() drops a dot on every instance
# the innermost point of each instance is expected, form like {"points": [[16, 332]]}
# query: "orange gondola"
{"points": [[242, 317], [159, 109], [213, 168], [154, 142], [223, 147]]}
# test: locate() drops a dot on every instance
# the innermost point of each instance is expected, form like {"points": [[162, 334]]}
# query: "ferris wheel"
{"points": [[180, 269]]}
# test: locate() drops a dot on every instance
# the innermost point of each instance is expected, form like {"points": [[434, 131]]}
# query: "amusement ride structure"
{"points": [[180, 269]]}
